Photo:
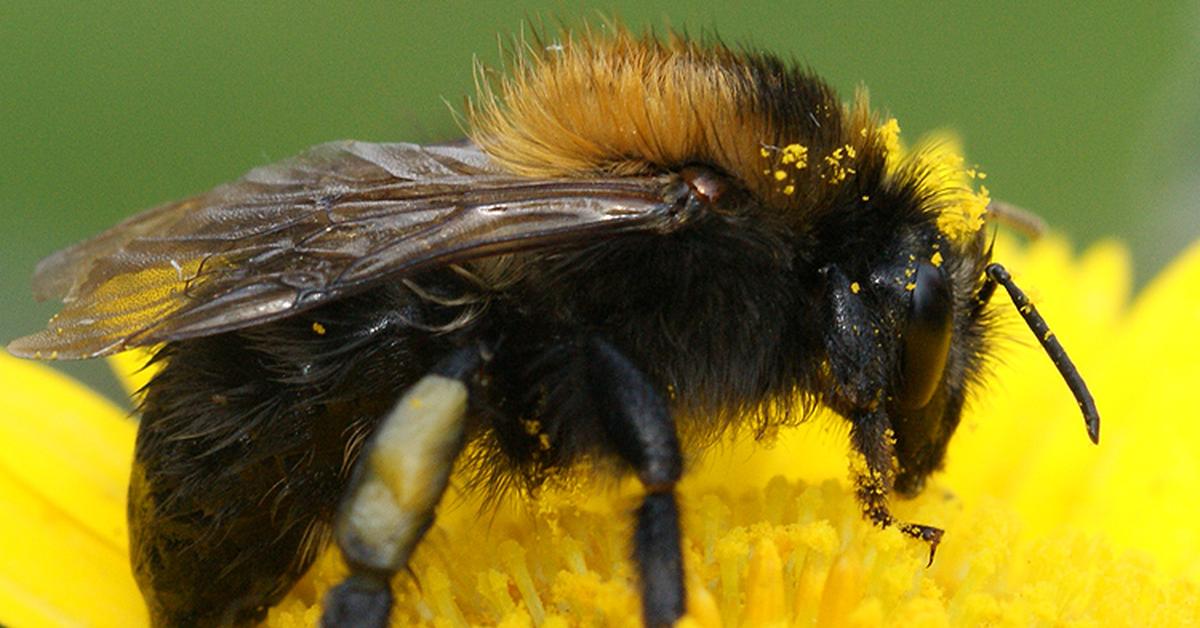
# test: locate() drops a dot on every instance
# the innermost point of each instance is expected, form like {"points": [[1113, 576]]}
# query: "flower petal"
{"points": [[63, 548]]}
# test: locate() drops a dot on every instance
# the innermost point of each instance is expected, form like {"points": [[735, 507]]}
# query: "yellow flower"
{"points": [[1042, 527], [64, 464]]}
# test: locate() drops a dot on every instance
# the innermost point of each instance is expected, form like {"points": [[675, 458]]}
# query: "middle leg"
{"points": [[641, 428]]}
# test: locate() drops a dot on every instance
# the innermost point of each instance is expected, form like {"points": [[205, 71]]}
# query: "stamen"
{"points": [[1050, 343]]}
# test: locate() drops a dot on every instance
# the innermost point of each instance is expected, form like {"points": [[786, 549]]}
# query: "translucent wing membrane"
{"points": [[290, 236]]}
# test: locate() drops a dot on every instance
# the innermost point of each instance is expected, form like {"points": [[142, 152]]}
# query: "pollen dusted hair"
{"points": [[609, 102], [618, 103]]}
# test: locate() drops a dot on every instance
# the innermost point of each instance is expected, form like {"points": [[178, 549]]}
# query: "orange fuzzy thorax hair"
{"points": [[617, 103]]}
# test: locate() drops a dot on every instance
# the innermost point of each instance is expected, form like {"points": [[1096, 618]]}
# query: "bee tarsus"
{"points": [[362, 599], [928, 534], [872, 438]]}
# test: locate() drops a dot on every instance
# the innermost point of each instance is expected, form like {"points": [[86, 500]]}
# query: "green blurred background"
{"points": [[1088, 114]]}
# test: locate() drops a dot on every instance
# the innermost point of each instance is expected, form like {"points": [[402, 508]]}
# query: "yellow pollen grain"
{"points": [[780, 175], [936, 259], [1048, 335], [789, 189], [854, 287], [890, 132], [764, 152], [796, 154], [837, 171], [319, 329], [910, 286]]}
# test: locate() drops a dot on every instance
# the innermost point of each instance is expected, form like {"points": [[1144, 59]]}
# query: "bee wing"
{"points": [[290, 236]]}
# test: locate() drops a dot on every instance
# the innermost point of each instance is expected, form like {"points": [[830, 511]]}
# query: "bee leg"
{"points": [[875, 473], [643, 432], [859, 379], [395, 488]]}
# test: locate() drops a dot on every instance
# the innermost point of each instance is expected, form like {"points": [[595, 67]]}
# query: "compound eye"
{"points": [[926, 336]]}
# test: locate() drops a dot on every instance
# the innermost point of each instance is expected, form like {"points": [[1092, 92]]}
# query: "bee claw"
{"points": [[928, 534]]}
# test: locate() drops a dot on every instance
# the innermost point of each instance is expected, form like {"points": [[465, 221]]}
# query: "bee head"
{"points": [[900, 319]]}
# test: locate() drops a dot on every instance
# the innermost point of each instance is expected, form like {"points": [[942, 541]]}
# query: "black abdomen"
{"points": [[244, 445]]}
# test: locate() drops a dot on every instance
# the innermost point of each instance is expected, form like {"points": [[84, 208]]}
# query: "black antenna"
{"points": [[998, 275]]}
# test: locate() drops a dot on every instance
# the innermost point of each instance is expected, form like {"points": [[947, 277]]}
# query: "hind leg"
{"points": [[395, 488]]}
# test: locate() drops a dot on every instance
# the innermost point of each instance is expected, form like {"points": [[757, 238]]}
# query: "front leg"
{"points": [[395, 487], [640, 427], [858, 372], [875, 472]]}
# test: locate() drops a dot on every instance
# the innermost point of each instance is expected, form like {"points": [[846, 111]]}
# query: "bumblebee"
{"points": [[641, 245]]}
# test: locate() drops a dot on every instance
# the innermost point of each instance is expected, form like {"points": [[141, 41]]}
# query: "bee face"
{"points": [[641, 245], [901, 324]]}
